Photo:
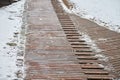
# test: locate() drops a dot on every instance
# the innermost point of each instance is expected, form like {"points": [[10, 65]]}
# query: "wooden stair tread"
{"points": [[75, 40], [101, 77], [85, 53], [97, 72], [79, 44], [92, 66], [89, 61], [82, 46], [72, 35], [87, 57]]}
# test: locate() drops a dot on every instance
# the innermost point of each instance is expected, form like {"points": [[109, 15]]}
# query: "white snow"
{"points": [[64, 6], [98, 51], [10, 26], [94, 47], [103, 12], [91, 43]]}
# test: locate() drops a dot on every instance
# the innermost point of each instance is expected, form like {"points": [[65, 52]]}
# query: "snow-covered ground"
{"points": [[103, 12], [10, 40]]}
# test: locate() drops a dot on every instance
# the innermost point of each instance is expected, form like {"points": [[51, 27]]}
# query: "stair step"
{"points": [[85, 54], [75, 40], [84, 51], [92, 66], [78, 44], [89, 61], [71, 35], [69, 28], [81, 47], [99, 77], [87, 58], [96, 72]]}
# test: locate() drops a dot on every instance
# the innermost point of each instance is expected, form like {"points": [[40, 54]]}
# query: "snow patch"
{"points": [[91, 43], [104, 12], [102, 57], [10, 28], [94, 47], [64, 6]]}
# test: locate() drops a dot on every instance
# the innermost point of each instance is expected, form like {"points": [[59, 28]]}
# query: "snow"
{"points": [[104, 12], [10, 28], [90, 42], [63, 5], [98, 51], [94, 47]]}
